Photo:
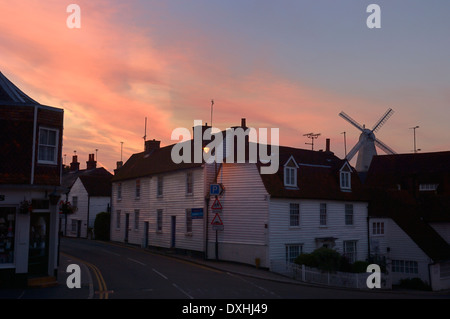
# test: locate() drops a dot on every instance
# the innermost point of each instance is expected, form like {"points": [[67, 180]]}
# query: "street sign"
{"points": [[197, 213], [217, 223], [216, 204], [216, 189]]}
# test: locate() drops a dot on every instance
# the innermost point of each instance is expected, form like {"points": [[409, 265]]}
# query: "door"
{"points": [[127, 225], [39, 241], [173, 231], [146, 228], [78, 228]]}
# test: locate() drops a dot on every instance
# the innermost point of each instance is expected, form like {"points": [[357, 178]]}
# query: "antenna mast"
{"points": [[212, 103], [145, 130], [312, 136]]}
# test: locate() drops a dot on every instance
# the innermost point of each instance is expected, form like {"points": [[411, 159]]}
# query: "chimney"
{"points": [[327, 149], [243, 124], [91, 163], [74, 166], [152, 145], [119, 165], [204, 128]]}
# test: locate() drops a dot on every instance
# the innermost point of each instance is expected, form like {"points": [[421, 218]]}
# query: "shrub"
{"points": [[322, 258], [102, 226]]}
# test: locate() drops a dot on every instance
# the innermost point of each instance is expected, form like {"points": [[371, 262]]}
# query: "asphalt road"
{"points": [[125, 272]]}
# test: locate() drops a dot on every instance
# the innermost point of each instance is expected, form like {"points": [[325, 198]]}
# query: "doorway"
{"points": [[39, 241], [127, 226], [146, 229], [173, 231]]}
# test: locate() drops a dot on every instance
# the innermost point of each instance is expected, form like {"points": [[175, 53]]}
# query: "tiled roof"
{"points": [[88, 177], [317, 177], [148, 163]]}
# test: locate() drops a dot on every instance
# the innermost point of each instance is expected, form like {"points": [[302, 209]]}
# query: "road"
{"points": [[125, 272]]}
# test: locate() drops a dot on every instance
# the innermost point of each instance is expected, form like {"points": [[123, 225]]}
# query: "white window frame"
{"points": [[290, 251], [378, 228], [136, 219], [159, 186], [137, 191], [349, 216], [188, 221], [294, 215], [159, 220], [56, 146], [351, 255], [323, 216], [119, 191], [189, 183], [346, 180], [118, 219], [290, 173]]}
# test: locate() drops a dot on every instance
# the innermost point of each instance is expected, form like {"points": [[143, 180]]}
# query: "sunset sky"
{"points": [[288, 64]]}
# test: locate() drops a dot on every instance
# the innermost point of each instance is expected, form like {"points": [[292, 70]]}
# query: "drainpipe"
{"points": [[33, 155]]}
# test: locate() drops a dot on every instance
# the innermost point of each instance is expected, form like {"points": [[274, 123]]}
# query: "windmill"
{"points": [[367, 141]]}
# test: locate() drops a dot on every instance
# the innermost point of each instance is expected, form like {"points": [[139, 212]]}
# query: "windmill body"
{"points": [[366, 145]]}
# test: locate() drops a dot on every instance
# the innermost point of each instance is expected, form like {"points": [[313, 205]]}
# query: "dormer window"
{"points": [[345, 177], [290, 173], [428, 187]]}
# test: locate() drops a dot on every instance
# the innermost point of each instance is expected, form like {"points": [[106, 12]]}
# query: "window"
{"points": [[159, 220], [323, 214], [7, 234], [428, 187], [189, 183], [350, 250], [292, 252], [188, 220], [74, 225], [138, 188], [159, 186], [405, 266], [290, 173], [378, 228], [348, 214], [345, 180], [119, 191], [118, 219], [294, 214], [48, 146], [75, 203], [136, 219]]}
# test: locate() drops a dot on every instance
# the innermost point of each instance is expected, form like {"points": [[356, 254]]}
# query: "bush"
{"points": [[322, 258], [360, 266], [102, 226]]}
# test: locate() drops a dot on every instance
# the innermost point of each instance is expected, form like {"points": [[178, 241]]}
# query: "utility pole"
{"points": [[345, 144], [414, 129]]}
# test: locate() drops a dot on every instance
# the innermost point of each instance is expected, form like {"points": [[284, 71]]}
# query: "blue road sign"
{"points": [[197, 213], [215, 189]]}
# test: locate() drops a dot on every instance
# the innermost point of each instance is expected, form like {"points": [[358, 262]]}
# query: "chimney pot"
{"points": [[91, 163], [243, 124], [328, 145], [74, 166]]}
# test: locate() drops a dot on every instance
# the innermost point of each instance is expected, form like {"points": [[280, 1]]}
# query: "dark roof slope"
{"points": [[403, 208], [317, 177], [99, 173], [9, 93], [389, 170], [154, 162], [97, 185]]}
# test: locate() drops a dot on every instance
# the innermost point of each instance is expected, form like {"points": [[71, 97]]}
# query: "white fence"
{"points": [[316, 276]]}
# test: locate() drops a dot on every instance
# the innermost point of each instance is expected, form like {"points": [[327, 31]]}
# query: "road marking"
{"points": [[103, 292], [184, 292], [110, 252], [136, 261], [159, 273], [255, 285]]}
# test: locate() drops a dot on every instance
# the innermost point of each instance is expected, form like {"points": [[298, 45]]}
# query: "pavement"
{"points": [[59, 289]]}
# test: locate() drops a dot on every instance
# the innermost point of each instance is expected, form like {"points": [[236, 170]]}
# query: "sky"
{"points": [[289, 64]]}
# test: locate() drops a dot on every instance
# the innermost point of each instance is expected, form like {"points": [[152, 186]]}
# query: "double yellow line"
{"points": [[103, 291]]}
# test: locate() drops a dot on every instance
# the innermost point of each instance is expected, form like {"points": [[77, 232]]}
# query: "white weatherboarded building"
{"points": [[314, 200]]}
